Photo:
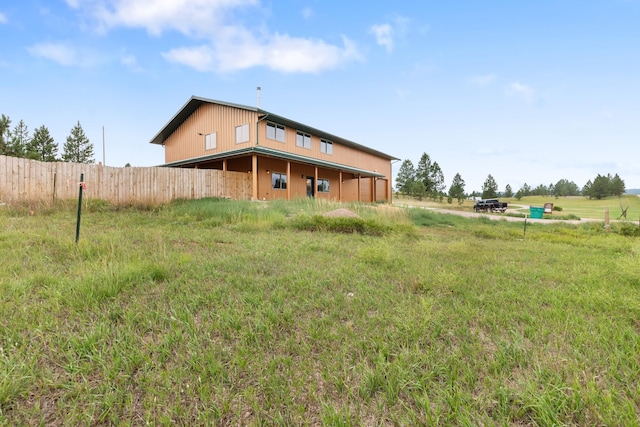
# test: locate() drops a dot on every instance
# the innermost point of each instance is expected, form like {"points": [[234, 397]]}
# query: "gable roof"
{"points": [[195, 102]]}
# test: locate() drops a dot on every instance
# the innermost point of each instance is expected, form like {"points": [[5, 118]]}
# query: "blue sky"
{"points": [[527, 91]]}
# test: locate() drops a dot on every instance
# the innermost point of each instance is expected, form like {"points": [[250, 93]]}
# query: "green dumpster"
{"points": [[536, 212]]}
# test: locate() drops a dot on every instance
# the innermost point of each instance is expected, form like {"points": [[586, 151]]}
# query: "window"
{"points": [[326, 146], [242, 133], [275, 132], [278, 181], [210, 141], [323, 185], [303, 140]]}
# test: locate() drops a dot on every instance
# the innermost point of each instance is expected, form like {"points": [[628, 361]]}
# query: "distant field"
{"points": [[216, 312], [588, 208], [581, 207]]}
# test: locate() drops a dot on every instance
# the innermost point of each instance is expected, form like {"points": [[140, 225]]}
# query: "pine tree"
{"points": [[508, 191], [586, 190], [5, 122], [42, 146], [489, 188], [617, 186], [456, 191], [437, 181], [78, 148], [405, 178], [19, 140], [423, 173]]}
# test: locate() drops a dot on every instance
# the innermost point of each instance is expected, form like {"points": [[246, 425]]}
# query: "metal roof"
{"points": [[257, 149], [195, 102]]}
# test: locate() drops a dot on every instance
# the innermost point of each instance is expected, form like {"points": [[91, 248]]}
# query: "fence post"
{"points": [[79, 207]]}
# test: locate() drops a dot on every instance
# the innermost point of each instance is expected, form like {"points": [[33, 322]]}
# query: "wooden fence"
{"points": [[23, 180]]}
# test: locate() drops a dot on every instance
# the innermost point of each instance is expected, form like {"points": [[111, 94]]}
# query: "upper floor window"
{"points": [[303, 140], [326, 146], [275, 132], [210, 141], [242, 133]]}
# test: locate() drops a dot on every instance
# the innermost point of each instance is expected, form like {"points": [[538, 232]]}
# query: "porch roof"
{"points": [[269, 152]]}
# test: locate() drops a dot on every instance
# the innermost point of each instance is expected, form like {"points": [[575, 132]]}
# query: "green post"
{"points": [[79, 207]]}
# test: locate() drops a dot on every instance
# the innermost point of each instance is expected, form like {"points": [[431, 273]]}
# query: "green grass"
{"points": [[236, 313], [583, 207]]}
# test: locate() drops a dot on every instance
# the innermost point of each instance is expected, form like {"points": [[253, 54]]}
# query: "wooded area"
{"points": [[24, 180]]}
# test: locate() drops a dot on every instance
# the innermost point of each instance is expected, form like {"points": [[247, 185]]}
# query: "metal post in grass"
{"points": [[82, 185], [524, 233]]}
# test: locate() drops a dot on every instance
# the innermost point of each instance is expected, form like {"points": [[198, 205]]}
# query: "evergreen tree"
{"points": [[489, 188], [437, 181], [564, 188], [586, 190], [617, 186], [600, 187], [77, 149], [19, 140], [405, 178], [5, 122], [423, 172], [508, 191], [456, 190], [42, 146], [540, 190], [417, 189]]}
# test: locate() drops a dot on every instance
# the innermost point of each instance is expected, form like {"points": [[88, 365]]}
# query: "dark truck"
{"points": [[490, 205]]}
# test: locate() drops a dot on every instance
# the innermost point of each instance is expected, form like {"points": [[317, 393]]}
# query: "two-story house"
{"points": [[286, 159]]}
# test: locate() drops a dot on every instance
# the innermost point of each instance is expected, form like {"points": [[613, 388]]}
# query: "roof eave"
{"points": [[278, 154]]}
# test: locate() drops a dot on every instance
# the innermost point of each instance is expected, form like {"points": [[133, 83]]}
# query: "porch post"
{"points": [[254, 175], [289, 178]]}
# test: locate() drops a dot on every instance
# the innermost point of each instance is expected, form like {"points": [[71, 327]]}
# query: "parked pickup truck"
{"points": [[490, 205]]}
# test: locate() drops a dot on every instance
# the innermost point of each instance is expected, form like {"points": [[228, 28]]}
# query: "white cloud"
{"points": [[388, 33], [278, 52], [483, 81], [200, 58], [225, 43], [526, 92], [3, 18], [384, 35], [58, 52]]}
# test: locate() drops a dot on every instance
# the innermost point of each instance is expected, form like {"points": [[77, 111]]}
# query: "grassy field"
{"points": [[588, 208], [580, 207], [235, 313]]}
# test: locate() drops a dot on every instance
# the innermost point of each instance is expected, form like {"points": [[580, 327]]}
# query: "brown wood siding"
{"points": [[186, 143], [334, 184], [366, 190], [341, 154], [265, 190], [382, 190]]}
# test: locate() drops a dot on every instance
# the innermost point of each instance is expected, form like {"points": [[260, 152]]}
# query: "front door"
{"points": [[310, 186]]}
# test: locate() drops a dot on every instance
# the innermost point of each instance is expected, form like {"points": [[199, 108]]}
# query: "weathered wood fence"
{"points": [[23, 180]]}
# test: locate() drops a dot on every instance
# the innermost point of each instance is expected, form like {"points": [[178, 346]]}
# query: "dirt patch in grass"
{"points": [[341, 213]]}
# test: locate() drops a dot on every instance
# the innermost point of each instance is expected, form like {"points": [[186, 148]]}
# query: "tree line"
{"points": [[426, 180], [41, 146]]}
